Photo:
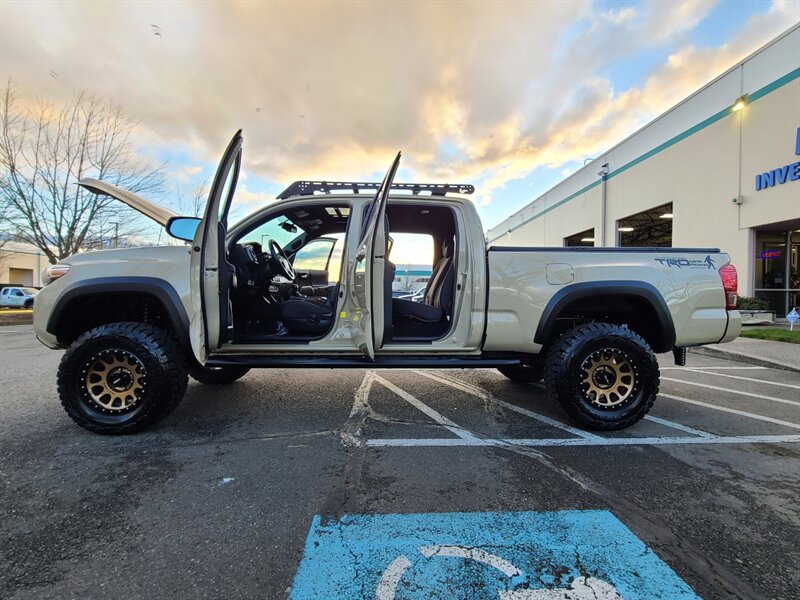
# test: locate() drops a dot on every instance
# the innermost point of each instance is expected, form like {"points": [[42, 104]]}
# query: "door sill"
{"points": [[361, 362]]}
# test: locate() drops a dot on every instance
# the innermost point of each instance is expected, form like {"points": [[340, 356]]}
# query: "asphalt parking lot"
{"points": [[244, 486]]}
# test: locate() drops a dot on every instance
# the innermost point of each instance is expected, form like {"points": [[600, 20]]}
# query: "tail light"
{"points": [[730, 283]]}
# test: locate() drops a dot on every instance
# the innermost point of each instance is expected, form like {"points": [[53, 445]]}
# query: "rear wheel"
{"points": [[216, 375], [524, 373], [604, 376], [120, 378]]}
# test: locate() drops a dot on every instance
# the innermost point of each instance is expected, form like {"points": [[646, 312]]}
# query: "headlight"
{"points": [[53, 272]]}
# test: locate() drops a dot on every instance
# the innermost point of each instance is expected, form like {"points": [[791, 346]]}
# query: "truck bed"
{"points": [[674, 294]]}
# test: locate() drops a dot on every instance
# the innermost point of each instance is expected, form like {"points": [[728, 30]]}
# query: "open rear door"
{"points": [[210, 274], [367, 290]]}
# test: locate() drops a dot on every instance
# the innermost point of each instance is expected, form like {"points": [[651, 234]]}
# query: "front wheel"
{"points": [[120, 378], [604, 376]]}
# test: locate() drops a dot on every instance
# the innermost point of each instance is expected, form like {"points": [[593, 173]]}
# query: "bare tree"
{"points": [[4, 220], [44, 152], [194, 206]]}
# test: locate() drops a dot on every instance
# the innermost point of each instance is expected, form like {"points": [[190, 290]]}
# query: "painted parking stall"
{"points": [[570, 554], [511, 556], [750, 422]]}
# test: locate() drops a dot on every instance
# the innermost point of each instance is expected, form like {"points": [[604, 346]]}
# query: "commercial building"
{"points": [[21, 264], [720, 169]]}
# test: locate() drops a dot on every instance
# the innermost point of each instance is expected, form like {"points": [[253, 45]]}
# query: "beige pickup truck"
{"points": [[261, 293]]}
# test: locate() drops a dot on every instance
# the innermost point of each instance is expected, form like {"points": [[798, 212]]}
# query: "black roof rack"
{"points": [[309, 188]]}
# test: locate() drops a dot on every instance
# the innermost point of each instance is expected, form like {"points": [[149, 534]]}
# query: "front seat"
{"points": [[307, 314], [438, 298], [314, 314]]}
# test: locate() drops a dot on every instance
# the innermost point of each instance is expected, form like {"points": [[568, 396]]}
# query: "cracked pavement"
{"points": [[217, 500]]}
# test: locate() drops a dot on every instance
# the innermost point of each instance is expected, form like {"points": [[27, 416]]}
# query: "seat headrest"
{"points": [[447, 248]]}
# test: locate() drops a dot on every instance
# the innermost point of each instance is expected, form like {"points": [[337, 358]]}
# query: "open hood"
{"points": [[158, 213]]}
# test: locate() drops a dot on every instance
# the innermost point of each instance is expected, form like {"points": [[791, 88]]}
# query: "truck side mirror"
{"points": [[183, 228]]}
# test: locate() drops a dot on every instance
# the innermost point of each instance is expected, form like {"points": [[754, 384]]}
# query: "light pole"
{"points": [[603, 172]]}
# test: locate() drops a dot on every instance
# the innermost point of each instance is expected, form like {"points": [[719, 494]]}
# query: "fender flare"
{"points": [[160, 289], [637, 289]]}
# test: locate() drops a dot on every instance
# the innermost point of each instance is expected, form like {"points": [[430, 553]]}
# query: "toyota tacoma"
{"points": [[305, 282]]}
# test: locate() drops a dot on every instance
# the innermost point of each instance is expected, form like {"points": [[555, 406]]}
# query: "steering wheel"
{"points": [[284, 266]]}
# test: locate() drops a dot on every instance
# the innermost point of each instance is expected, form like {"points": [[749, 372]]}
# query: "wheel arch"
{"points": [[104, 300], [636, 303]]}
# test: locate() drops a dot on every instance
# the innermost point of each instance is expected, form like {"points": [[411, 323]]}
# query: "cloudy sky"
{"points": [[511, 97]]}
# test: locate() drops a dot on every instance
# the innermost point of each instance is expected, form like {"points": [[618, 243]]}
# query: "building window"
{"points": [[650, 228], [584, 238], [777, 268]]}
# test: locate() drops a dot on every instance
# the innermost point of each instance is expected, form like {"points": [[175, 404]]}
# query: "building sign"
{"points": [[790, 172], [770, 254]]}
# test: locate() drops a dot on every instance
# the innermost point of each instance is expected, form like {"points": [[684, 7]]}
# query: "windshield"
{"points": [[29, 291], [280, 228]]}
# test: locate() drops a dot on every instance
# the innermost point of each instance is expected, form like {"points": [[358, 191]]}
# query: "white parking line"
{"points": [[598, 441], [730, 391], [778, 383], [422, 407], [489, 397], [679, 426], [467, 439], [732, 411], [351, 430], [553, 422], [715, 368]]}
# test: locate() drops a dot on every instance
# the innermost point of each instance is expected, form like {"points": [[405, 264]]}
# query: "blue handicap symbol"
{"points": [[566, 555]]}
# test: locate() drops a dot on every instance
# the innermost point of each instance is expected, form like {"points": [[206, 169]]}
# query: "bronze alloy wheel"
{"points": [[114, 380], [608, 378]]}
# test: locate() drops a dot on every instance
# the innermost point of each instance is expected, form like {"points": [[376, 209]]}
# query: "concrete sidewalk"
{"points": [[764, 353]]}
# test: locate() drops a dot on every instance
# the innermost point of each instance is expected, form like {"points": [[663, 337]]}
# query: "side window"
{"points": [[314, 255], [4, 292], [322, 254], [412, 255], [18, 293]]}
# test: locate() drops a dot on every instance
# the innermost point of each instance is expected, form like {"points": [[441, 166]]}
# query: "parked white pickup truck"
{"points": [[586, 320], [17, 297]]}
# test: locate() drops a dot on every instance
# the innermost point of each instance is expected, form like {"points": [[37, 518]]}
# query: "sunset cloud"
{"points": [[477, 92]]}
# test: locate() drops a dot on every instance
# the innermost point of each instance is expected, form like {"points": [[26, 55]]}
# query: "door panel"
{"points": [[312, 278], [367, 272], [211, 273]]}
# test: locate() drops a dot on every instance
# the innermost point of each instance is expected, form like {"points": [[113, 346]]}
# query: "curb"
{"points": [[6, 320], [742, 357]]}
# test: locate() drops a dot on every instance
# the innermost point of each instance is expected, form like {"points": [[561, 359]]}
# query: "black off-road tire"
{"points": [[525, 373], [28, 304], [576, 357], [152, 357], [216, 375]]}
